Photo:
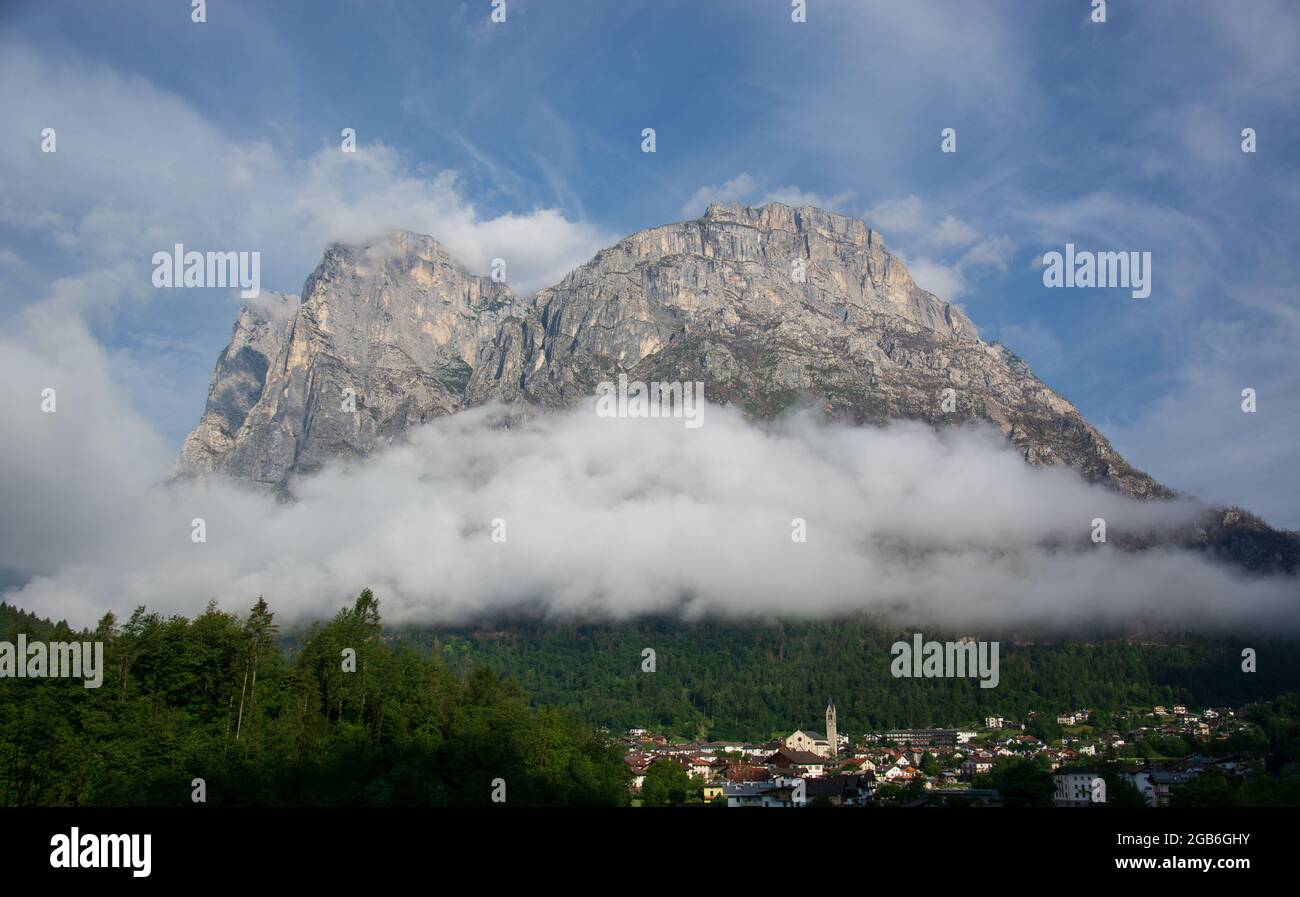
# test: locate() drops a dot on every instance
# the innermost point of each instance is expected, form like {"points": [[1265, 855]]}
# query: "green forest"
{"points": [[217, 698], [348, 712], [716, 680]]}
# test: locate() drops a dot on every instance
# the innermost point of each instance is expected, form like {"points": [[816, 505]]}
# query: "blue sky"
{"points": [[523, 139]]}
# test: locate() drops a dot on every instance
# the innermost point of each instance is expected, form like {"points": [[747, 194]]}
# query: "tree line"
{"points": [[343, 717], [754, 681]]}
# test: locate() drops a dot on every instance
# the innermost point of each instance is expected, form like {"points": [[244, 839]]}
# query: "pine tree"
{"points": [[259, 632]]}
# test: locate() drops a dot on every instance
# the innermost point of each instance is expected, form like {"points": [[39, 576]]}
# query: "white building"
{"points": [[1074, 787], [824, 745], [808, 742], [780, 792]]}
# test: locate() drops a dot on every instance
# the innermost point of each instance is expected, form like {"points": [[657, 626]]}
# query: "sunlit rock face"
{"points": [[768, 307]]}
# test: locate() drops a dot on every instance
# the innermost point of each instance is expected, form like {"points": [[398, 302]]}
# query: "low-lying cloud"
{"points": [[604, 519]]}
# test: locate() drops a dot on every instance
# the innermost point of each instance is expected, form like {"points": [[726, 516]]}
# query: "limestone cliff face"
{"points": [[717, 300], [238, 382], [768, 307], [391, 330]]}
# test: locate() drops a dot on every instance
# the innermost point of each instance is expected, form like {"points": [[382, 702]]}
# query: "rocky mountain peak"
{"points": [[767, 306], [802, 219]]}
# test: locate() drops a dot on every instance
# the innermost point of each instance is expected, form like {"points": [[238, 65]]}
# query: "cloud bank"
{"points": [[603, 519]]}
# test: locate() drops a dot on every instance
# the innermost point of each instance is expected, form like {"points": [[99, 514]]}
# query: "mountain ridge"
{"points": [[413, 335]]}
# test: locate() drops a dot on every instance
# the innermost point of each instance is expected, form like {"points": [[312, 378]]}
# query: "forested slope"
{"points": [[214, 698]]}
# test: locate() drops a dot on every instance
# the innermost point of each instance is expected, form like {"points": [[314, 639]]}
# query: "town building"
{"points": [[824, 745], [1074, 787], [930, 738]]}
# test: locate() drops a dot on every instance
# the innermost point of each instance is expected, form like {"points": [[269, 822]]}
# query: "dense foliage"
{"points": [[754, 681], [213, 698], [434, 716]]}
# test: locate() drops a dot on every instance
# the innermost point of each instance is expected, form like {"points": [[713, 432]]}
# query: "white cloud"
{"points": [[116, 191], [739, 189], [995, 252], [70, 475], [945, 281], [793, 196], [604, 519], [747, 189], [904, 216], [952, 231], [942, 251]]}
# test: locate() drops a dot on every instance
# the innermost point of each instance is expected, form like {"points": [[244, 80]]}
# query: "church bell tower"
{"points": [[832, 737]]}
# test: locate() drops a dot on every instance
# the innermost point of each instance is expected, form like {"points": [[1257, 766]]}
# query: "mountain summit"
{"points": [[767, 306]]}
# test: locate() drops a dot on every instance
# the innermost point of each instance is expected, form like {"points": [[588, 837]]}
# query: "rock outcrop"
{"points": [[385, 337], [238, 382], [766, 306]]}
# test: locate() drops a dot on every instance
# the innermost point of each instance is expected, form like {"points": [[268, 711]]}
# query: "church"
{"points": [[823, 745]]}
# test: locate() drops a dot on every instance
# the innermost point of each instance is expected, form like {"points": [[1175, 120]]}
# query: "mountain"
{"points": [[400, 324], [403, 328]]}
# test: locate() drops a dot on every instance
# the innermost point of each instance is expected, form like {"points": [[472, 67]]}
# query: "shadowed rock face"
{"points": [[413, 336], [392, 330], [238, 382]]}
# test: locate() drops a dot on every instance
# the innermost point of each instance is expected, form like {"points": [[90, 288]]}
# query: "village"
{"points": [[934, 766]]}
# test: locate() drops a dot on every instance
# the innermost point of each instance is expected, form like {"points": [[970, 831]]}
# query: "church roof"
{"points": [[796, 758]]}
